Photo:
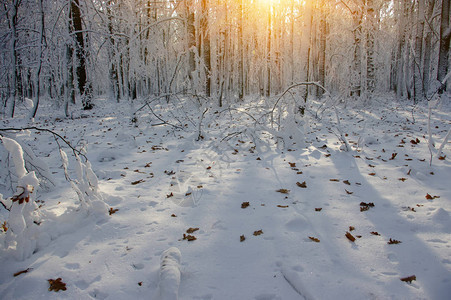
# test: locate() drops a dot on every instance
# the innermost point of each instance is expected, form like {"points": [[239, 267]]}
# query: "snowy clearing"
{"points": [[241, 212]]}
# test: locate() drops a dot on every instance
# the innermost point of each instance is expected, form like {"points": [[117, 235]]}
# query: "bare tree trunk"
{"points": [[206, 47], [370, 68], [112, 71], [191, 32], [445, 38], [80, 54], [38, 71], [428, 47], [268, 62], [305, 48], [240, 53], [322, 50], [356, 72], [14, 58], [402, 13], [418, 91]]}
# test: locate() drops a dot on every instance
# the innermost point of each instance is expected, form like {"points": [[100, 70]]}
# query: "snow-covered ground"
{"points": [[181, 226]]}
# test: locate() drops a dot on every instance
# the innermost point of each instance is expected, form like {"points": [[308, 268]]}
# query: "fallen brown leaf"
{"points": [[318, 209], [409, 279], [350, 236], [301, 185], [429, 197], [138, 181], [393, 242], [282, 206], [283, 191], [188, 237], [314, 239], [242, 238], [244, 204], [192, 230], [258, 232], [113, 210], [57, 285]]}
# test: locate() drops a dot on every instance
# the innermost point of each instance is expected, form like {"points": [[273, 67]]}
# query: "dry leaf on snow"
{"points": [[301, 185], [138, 181], [409, 279], [350, 236], [192, 230], [188, 237], [393, 242], [57, 285], [429, 197], [258, 232], [113, 210], [314, 239], [283, 191]]}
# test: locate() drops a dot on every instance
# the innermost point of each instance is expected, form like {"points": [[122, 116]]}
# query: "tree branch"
{"points": [[78, 152]]}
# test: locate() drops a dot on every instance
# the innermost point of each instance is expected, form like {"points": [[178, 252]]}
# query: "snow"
{"points": [[157, 182]]}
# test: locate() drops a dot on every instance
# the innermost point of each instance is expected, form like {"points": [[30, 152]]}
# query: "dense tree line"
{"points": [[71, 50]]}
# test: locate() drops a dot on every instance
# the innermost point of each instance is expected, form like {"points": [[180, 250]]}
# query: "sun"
{"points": [[266, 2]]}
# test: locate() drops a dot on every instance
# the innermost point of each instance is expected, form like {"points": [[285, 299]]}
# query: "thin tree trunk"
{"points": [[370, 68], [112, 72], [206, 48], [305, 48], [191, 32], [445, 38], [268, 62], [80, 54], [322, 50], [240, 53], [38, 71], [418, 68], [14, 58], [428, 48]]}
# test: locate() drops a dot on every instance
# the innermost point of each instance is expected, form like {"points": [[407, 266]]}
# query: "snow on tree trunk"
{"points": [[428, 48], [417, 73], [305, 48], [356, 72], [445, 38], [322, 49], [170, 274], [370, 68]]}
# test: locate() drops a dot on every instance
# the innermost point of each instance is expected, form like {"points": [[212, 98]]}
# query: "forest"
{"points": [[63, 50], [214, 149]]}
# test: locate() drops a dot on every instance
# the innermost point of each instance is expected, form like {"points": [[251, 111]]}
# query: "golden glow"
{"points": [[267, 2]]}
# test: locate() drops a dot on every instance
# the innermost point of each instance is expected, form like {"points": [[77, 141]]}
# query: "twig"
{"points": [[200, 137], [291, 87], [50, 131]]}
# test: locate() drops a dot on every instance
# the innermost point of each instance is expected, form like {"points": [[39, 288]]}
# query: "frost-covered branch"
{"points": [[77, 152]]}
